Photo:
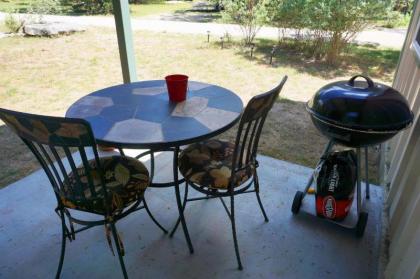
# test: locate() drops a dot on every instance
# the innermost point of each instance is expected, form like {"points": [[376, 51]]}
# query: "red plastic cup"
{"points": [[177, 87]]}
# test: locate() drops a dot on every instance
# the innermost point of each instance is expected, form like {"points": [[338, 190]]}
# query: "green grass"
{"points": [[3, 27], [23, 6], [137, 10], [395, 20], [46, 75], [377, 62], [152, 9], [14, 5]]}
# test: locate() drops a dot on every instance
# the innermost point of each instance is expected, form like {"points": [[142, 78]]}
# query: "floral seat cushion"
{"points": [[209, 164], [126, 179]]}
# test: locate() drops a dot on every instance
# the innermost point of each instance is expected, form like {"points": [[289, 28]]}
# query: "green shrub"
{"points": [[395, 19], [45, 7], [13, 23], [342, 20], [146, 1], [248, 14], [92, 7], [327, 25], [287, 14], [403, 6]]}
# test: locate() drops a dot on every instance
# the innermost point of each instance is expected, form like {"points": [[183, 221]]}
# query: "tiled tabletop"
{"points": [[140, 115]]}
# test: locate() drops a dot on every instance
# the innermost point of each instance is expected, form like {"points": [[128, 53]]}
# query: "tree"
{"points": [[287, 14], [91, 6], [341, 20], [45, 7], [330, 24], [248, 14], [404, 6]]}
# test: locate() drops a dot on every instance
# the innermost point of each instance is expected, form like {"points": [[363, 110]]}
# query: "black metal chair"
{"points": [[223, 169], [111, 187]]}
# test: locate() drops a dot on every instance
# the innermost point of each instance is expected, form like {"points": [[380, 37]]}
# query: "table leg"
{"points": [[179, 202], [183, 208], [152, 173]]}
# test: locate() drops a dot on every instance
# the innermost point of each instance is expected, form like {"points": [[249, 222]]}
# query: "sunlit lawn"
{"points": [[3, 27], [137, 10], [152, 9], [22, 6], [14, 5], [46, 75]]}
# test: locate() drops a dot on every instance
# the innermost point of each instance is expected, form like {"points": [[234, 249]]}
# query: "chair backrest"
{"points": [[250, 126], [49, 138]]}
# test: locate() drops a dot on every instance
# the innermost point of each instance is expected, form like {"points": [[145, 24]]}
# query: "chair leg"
{"points": [[153, 218], [235, 240], [63, 245], [117, 244], [257, 192], [183, 208]]}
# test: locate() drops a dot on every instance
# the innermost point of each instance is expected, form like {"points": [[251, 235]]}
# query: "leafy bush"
{"points": [[329, 25], [146, 1], [395, 19], [287, 14], [404, 6], [248, 14], [45, 7], [38, 8], [342, 20], [92, 7], [13, 23]]}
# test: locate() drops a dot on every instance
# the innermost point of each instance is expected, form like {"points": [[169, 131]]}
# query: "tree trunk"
{"points": [[334, 49]]}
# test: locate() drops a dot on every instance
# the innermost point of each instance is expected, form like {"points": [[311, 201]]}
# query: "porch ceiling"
{"points": [[287, 247]]}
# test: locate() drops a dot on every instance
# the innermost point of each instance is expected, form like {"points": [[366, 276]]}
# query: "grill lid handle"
{"points": [[368, 80]]}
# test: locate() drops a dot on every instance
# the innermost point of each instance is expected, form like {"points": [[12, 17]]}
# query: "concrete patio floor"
{"points": [[287, 247]]}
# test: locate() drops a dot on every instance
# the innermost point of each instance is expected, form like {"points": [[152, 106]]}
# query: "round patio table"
{"points": [[139, 115]]}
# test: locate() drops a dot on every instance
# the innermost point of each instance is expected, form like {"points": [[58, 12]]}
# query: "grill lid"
{"points": [[361, 105]]}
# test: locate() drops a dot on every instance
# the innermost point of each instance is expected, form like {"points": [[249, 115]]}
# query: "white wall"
{"points": [[403, 176]]}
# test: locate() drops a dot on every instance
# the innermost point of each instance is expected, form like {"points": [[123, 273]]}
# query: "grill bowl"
{"points": [[358, 114]]}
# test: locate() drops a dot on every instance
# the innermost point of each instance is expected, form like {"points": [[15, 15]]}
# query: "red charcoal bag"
{"points": [[336, 181], [330, 208]]}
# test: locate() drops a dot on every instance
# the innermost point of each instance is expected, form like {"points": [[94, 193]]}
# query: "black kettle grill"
{"points": [[355, 114]]}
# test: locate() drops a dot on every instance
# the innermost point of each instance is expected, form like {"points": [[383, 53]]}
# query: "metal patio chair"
{"points": [[223, 169], [111, 187]]}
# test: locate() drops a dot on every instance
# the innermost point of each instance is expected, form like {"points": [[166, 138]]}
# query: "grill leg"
{"points": [[367, 174], [359, 182]]}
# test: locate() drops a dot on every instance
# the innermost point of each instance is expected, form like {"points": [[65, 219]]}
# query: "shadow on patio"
{"points": [[286, 247]]}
